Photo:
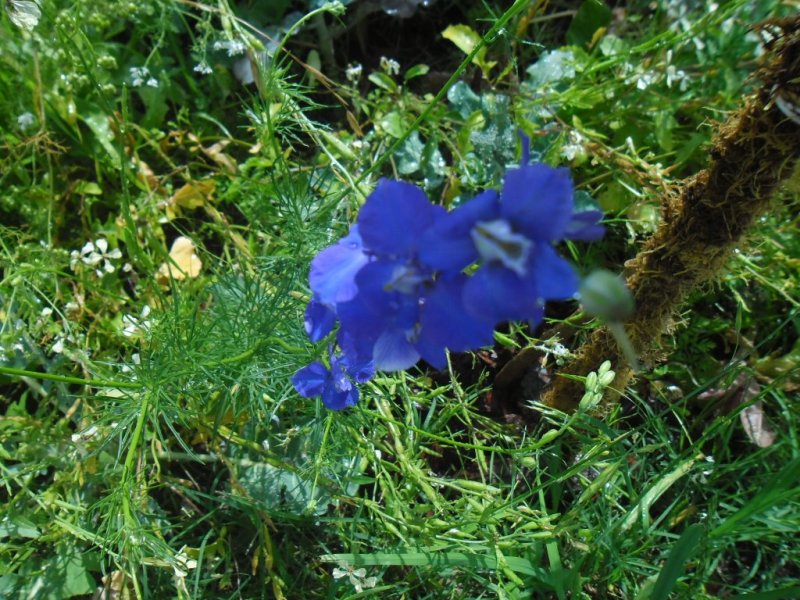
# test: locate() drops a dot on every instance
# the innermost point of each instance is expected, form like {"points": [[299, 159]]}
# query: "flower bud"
{"points": [[604, 295]]}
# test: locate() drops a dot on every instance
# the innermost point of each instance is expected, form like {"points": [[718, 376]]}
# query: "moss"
{"points": [[706, 216]]}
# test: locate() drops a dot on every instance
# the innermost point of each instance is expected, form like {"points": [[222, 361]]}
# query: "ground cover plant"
{"points": [[308, 299]]}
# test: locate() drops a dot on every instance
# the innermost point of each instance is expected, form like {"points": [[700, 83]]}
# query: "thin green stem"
{"points": [[100, 383]]}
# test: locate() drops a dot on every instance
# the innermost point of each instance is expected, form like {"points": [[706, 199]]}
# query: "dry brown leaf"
{"points": [[215, 153], [756, 426], [183, 262]]}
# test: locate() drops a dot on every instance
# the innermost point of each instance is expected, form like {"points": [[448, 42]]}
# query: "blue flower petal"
{"points": [[537, 200], [338, 400], [555, 277], [585, 226], [448, 246], [394, 217], [312, 380], [357, 356], [445, 321], [496, 294], [333, 270], [393, 351], [319, 320]]}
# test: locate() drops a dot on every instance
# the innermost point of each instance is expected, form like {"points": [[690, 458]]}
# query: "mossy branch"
{"points": [[752, 153]]}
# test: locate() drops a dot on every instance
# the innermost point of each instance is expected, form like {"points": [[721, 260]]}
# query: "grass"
{"points": [[151, 443]]}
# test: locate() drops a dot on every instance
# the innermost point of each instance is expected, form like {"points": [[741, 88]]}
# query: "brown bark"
{"points": [[752, 153]]}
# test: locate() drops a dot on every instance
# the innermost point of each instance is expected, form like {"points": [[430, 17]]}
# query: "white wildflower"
{"points": [[183, 564], [25, 14], [84, 435], [675, 75], [573, 147], [203, 68], [353, 72], [136, 325], [358, 578], [25, 121], [232, 47], [139, 75], [93, 254], [152, 82], [645, 80], [58, 346], [391, 66]]}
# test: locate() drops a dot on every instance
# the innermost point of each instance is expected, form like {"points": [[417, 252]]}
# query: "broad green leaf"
{"points": [[393, 124], [409, 155], [416, 71], [467, 39], [463, 36], [17, 526], [463, 99], [382, 80]]}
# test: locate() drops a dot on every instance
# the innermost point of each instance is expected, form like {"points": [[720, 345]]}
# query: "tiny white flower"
{"points": [[93, 254], [85, 435], [391, 66], [25, 121], [152, 82], [46, 311], [353, 72], [232, 47], [645, 80], [573, 147], [140, 75], [358, 577], [203, 68], [183, 564], [136, 325], [58, 347]]}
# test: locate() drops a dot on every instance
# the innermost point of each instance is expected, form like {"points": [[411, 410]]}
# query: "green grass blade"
{"points": [[778, 489], [672, 570]]}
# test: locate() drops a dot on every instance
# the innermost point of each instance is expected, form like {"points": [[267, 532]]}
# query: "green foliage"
{"points": [[150, 440]]}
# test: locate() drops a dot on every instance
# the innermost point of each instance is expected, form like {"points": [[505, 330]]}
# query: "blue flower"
{"points": [[335, 385], [401, 284], [511, 235], [333, 271]]}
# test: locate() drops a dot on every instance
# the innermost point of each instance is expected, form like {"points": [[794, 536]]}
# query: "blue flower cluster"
{"points": [[411, 279]]}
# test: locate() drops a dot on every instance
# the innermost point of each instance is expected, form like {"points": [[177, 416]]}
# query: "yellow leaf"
{"points": [[183, 262], [194, 194]]}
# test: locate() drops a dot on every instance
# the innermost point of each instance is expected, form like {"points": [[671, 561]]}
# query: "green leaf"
{"points": [[17, 526], [463, 99], [463, 36], [409, 155], [98, 123], [640, 512], [467, 39], [591, 16], [551, 68], [382, 80], [439, 559], [393, 124], [88, 188], [416, 71]]}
